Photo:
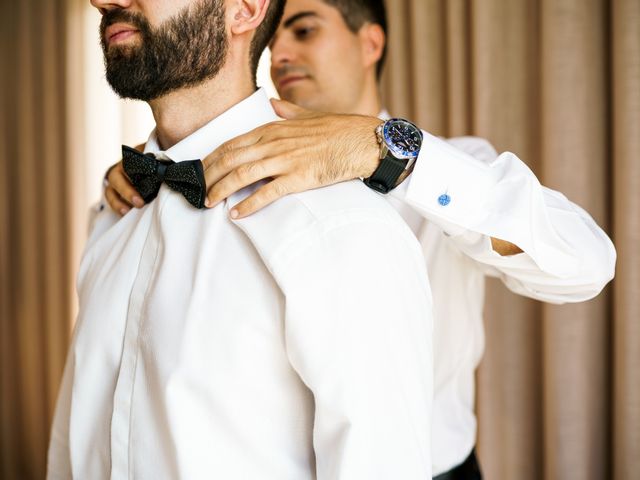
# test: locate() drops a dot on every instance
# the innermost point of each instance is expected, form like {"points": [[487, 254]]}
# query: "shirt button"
{"points": [[444, 199]]}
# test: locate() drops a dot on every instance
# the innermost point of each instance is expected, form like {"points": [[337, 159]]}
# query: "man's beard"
{"points": [[182, 52]]}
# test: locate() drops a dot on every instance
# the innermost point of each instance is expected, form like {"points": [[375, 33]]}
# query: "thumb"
{"points": [[288, 110]]}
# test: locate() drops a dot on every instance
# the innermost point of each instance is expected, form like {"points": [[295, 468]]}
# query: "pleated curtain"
{"points": [[558, 83], [555, 81], [36, 271]]}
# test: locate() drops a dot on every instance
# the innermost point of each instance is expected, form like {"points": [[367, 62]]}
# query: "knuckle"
{"points": [[248, 170], [120, 178], [121, 188], [113, 173], [308, 176], [242, 171], [225, 147], [254, 202], [272, 132], [267, 128], [279, 189], [207, 162], [227, 161]]}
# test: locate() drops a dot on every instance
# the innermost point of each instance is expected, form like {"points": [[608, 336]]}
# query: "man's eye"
{"points": [[303, 32]]}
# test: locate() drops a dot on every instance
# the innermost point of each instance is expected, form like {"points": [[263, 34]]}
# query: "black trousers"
{"points": [[467, 470]]}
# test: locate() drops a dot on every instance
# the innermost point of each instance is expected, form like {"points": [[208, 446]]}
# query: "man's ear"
{"points": [[247, 15], [373, 40]]}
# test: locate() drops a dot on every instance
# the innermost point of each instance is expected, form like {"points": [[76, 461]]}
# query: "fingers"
{"points": [[230, 160], [243, 176], [288, 110], [117, 203], [119, 182], [262, 197], [236, 143], [265, 141]]}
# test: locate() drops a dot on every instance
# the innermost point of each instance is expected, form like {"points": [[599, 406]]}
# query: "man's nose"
{"points": [[281, 53], [106, 5]]}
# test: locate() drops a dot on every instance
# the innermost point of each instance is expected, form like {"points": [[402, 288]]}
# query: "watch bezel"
{"points": [[394, 149]]}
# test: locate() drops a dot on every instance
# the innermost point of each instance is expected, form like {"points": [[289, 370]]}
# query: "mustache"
{"points": [[116, 15], [285, 70]]}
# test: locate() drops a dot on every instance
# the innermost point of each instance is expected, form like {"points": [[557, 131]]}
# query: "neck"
{"points": [[369, 103], [180, 113]]}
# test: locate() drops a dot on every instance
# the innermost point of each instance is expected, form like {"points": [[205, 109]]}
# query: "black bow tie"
{"points": [[147, 174]]}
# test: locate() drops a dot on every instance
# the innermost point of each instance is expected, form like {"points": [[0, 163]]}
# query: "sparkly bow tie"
{"points": [[147, 174]]}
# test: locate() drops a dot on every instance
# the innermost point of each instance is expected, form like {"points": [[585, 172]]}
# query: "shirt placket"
{"points": [[121, 419]]}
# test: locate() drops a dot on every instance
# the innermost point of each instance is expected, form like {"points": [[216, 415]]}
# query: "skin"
{"points": [[318, 64], [232, 84]]}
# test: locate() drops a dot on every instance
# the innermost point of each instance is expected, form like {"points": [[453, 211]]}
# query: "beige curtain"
{"points": [[35, 241], [557, 82]]}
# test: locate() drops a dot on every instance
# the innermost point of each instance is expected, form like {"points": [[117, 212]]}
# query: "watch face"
{"points": [[403, 138]]}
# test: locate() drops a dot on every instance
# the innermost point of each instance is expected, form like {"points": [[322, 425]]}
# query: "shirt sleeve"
{"points": [[473, 194], [358, 332], [100, 219], [59, 454]]}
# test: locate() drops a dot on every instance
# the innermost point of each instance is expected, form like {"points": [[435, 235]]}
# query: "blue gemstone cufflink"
{"points": [[444, 199]]}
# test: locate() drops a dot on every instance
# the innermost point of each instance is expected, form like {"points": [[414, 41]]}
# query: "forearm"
{"points": [[496, 206]]}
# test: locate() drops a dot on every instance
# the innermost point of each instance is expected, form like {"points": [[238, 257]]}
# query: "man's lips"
{"points": [[289, 79], [118, 32]]}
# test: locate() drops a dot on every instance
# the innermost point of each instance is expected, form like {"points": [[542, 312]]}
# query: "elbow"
{"points": [[598, 259], [599, 270], [604, 269], [594, 272]]}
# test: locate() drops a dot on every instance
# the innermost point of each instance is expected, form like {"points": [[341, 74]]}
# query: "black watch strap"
{"points": [[386, 176]]}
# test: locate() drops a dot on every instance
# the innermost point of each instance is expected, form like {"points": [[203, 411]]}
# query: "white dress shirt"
{"points": [[567, 258], [294, 344]]}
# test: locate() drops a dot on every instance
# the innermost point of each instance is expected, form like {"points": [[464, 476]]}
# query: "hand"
{"points": [[504, 248], [119, 192], [306, 150]]}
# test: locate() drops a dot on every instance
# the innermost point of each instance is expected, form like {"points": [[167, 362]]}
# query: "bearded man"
{"points": [[294, 344]]}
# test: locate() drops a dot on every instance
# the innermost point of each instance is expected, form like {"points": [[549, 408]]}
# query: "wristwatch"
{"points": [[400, 142]]}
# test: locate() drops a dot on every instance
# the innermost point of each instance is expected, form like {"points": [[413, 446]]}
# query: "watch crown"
{"points": [[379, 132]]}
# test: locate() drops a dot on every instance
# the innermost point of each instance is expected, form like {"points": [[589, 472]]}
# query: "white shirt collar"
{"points": [[250, 113]]}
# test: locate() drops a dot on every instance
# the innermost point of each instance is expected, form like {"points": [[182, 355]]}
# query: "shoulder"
{"points": [[298, 223], [344, 200]]}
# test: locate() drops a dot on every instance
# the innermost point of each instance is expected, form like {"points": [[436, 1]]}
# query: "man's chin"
{"points": [[303, 97], [308, 102], [122, 51]]}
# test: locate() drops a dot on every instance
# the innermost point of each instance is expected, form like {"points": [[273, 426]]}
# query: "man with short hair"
{"points": [[295, 344], [475, 212]]}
